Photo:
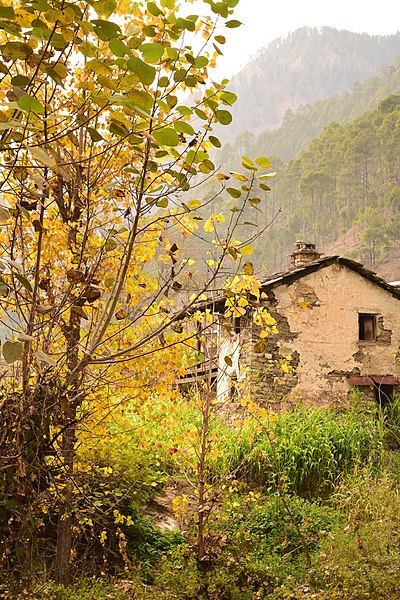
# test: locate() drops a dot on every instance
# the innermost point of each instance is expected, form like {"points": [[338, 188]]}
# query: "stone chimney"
{"points": [[305, 253]]}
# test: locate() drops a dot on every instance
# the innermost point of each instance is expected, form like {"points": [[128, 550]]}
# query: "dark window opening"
{"points": [[236, 325], [383, 394], [366, 327], [233, 390]]}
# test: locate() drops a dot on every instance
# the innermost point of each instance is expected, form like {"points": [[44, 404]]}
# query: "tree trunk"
{"points": [[65, 510], [69, 406]]}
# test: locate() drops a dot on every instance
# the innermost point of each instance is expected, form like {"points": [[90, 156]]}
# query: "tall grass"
{"points": [[309, 449]]}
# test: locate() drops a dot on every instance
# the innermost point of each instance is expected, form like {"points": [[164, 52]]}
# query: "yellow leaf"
{"points": [[248, 268], [239, 176], [304, 305], [103, 537], [247, 250], [259, 347], [209, 225]]}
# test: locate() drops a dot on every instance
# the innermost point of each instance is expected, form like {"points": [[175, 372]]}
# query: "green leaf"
{"points": [[95, 136], [54, 75], [141, 98], [184, 110], [185, 24], [87, 49], [233, 24], [220, 39], [118, 48], [149, 30], [201, 114], [42, 157], [145, 72], [180, 75], [7, 12], [12, 351], [163, 81], [107, 82], [20, 81], [11, 27], [118, 129], [215, 141], [152, 53], [219, 8], [224, 117], [183, 127], [218, 50], [162, 203], [191, 81], [201, 62], [248, 164], [263, 162], [99, 67], [106, 30], [153, 9], [207, 166], [166, 136], [30, 104], [196, 156], [110, 245], [105, 7], [228, 361], [23, 281], [58, 42], [228, 98], [234, 192], [18, 50]]}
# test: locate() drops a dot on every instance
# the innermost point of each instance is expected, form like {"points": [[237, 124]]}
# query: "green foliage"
{"points": [[148, 544], [363, 562], [310, 449], [255, 546], [275, 529]]}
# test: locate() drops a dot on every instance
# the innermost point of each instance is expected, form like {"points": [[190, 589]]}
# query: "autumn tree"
{"points": [[106, 116]]}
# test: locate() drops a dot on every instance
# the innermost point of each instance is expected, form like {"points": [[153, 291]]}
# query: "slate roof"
{"points": [[288, 277]]}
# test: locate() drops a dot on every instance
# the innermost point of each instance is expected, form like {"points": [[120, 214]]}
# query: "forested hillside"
{"points": [[300, 126], [342, 192], [344, 188], [306, 66]]}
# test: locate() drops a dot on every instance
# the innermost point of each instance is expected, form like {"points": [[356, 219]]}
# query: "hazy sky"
{"points": [[266, 20]]}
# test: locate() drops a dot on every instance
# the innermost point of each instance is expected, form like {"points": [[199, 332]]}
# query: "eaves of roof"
{"points": [[289, 276]]}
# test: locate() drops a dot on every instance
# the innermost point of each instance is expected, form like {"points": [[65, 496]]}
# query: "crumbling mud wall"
{"points": [[318, 321]]}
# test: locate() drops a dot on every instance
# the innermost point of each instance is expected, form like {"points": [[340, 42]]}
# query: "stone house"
{"points": [[338, 322]]}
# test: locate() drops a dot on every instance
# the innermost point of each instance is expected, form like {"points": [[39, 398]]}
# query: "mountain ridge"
{"points": [[307, 65]]}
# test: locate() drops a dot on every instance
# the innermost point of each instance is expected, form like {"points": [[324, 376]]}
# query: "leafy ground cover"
{"points": [[306, 505]]}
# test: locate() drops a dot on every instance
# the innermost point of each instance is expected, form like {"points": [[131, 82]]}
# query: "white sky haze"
{"points": [[265, 20]]}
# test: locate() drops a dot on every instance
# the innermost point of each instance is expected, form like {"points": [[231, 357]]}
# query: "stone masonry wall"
{"points": [[317, 318]]}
